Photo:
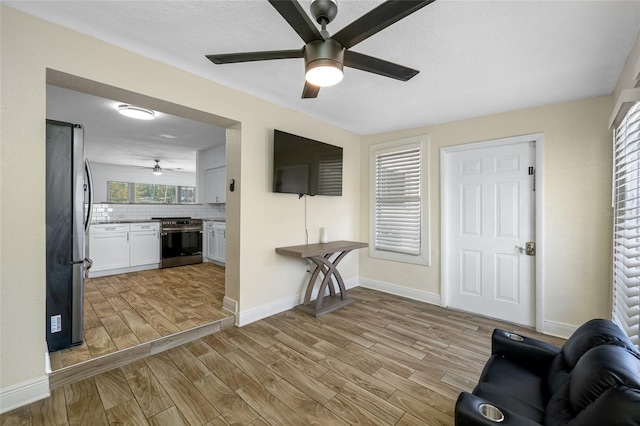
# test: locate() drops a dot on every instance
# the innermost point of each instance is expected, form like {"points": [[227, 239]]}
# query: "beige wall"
{"points": [[258, 220], [577, 198]]}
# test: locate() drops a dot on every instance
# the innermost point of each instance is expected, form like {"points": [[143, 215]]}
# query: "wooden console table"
{"points": [[321, 254]]}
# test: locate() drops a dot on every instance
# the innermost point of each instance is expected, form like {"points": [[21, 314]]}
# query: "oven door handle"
{"points": [[166, 231]]}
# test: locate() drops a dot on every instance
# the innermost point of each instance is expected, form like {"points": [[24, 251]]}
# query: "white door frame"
{"points": [[445, 287]]}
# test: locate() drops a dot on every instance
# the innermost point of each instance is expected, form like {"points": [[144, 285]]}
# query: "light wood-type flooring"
{"points": [[384, 360], [131, 315]]}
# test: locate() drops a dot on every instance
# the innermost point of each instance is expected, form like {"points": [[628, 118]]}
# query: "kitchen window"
{"points": [[399, 224], [149, 193]]}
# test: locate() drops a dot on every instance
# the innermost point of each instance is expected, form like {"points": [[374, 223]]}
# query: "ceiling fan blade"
{"points": [[293, 13], [310, 91], [378, 66], [376, 20], [230, 58]]}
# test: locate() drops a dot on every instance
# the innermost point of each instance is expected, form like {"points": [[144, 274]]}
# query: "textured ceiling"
{"points": [[112, 138], [475, 57]]}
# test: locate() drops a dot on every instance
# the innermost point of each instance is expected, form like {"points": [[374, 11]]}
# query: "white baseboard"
{"points": [[24, 393], [256, 314], [551, 328], [252, 315], [558, 329], [409, 293]]}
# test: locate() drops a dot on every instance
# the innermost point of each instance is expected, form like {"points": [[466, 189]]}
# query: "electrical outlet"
{"points": [[56, 323]]}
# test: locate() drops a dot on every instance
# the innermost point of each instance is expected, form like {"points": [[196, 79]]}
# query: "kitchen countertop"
{"points": [[115, 221], [108, 222]]}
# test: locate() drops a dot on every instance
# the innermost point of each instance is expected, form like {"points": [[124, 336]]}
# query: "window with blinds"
{"points": [[398, 223], [626, 227], [398, 199]]}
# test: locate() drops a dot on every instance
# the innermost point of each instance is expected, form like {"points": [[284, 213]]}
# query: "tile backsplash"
{"points": [[106, 211]]}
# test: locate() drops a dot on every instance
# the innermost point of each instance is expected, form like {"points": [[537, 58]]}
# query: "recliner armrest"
{"points": [[467, 413], [534, 354]]}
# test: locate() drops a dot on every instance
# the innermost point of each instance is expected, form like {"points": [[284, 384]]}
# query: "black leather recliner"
{"points": [[593, 380]]}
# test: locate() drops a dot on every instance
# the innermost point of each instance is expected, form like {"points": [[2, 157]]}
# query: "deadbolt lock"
{"points": [[529, 248]]}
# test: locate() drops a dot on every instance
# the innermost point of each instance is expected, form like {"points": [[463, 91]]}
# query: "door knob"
{"points": [[529, 248]]}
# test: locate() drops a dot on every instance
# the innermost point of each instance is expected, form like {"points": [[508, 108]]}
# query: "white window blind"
{"points": [[330, 176], [626, 227], [398, 201]]}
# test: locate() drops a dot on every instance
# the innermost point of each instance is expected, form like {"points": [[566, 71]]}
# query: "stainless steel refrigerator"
{"points": [[68, 212]]}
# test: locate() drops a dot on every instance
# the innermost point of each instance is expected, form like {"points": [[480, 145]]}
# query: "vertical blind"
{"points": [[626, 226], [397, 201]]}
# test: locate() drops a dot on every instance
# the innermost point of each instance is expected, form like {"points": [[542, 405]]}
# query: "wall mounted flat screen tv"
{"points": [[305, 167]]}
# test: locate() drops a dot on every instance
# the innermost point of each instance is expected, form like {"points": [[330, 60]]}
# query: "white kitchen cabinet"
{"points": [[109, 247], [216, 185], [209, 240], [209, 169], [123, 247], [221, 241], [215, 241], [144, 243]]}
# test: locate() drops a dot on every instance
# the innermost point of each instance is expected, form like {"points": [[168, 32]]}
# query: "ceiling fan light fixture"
{"points": [[323, 61], [136, 112], [157, 170], [323, 73]]}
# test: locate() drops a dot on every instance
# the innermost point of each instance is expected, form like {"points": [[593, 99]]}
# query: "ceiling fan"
{"points": [[157, 170], [325, 55]]}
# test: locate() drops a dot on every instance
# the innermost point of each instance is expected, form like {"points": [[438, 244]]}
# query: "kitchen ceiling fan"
{"points": [[157, 170], [325, 55]]}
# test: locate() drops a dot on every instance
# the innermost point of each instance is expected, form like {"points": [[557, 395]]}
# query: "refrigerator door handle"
{"points": [[89, 189], [86, 262]]}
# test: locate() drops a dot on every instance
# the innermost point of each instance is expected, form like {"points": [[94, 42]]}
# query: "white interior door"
{"points": [[490, 212]]}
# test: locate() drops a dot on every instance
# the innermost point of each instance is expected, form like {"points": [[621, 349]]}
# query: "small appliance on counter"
{"points": [[181, 241], [68, 190]]}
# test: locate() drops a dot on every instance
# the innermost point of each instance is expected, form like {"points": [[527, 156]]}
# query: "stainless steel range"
{"points": [[181, 241]]}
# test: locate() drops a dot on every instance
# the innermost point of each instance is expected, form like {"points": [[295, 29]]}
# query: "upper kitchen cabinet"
{"points": [[212, 175], [215, 185]]}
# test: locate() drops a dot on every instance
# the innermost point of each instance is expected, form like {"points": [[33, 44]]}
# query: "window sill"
{"points": [[399, 257]]}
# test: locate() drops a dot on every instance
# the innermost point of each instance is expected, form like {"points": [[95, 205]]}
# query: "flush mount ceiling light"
{"points": [[136, 112], [157, 170]]}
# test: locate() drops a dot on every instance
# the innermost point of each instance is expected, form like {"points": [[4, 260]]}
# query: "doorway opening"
{"points": [[214, 279]]}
